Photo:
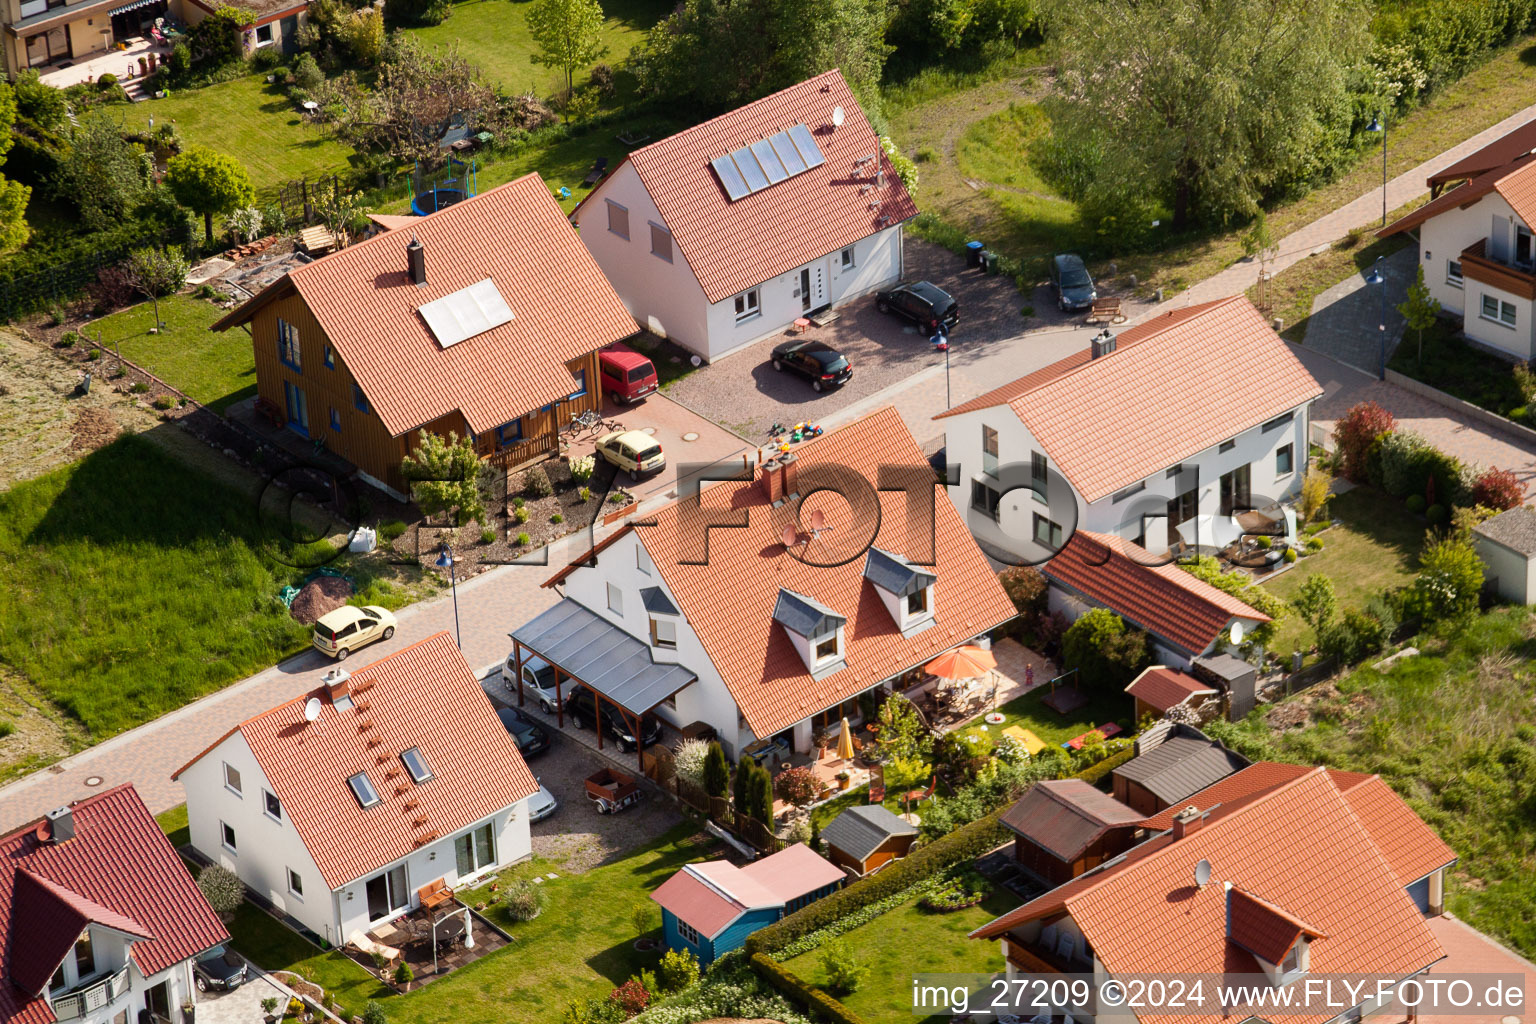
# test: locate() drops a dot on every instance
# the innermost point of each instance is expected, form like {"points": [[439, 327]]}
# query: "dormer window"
{"points": [[1292, 961], [828, 649], [416, 763], [363, 790], [905, 588], [815, 630], [1278, 940]]}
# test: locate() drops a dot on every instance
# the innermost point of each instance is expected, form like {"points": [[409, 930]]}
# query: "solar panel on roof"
{"points": [[730, 177], [784, 146], [769, 160], [750, 169], [805, 142], [465, 313]]}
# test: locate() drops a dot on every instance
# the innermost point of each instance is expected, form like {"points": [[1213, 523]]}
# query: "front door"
{"points": [[1236, 495], [298, 408], [813, 287]]}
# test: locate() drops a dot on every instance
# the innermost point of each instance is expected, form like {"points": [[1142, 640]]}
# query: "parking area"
{"points": [[243, 1005], [743, 392], [576, 835]]}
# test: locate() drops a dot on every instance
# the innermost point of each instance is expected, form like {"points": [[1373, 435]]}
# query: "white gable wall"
{"points": [[265, 849], [1014, 531], [1441, 241]]}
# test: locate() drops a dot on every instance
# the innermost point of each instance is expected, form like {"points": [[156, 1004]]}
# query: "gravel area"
{"points": [[743, 392]]}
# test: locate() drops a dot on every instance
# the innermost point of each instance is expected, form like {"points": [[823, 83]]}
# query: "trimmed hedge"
{"points": [[798, 991], [1094, 773], [966, 843]]}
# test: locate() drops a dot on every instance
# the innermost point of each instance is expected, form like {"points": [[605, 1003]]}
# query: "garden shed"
{"points": [[1507, 544], [868, 837]]}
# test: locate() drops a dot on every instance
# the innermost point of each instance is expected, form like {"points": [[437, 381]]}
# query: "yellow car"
{"points": [[633, 450], [344, 630]]}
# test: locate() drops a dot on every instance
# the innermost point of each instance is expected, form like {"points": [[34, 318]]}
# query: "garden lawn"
{"points": [[136, 584], [821, 814], [1375, 545], [493, 34], [253, 122], [1030, 712], [273, 946], [216, 369], [1451, 730], [580, 947], [910, 940]]}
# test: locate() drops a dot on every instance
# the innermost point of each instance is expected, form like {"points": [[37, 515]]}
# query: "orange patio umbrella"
{"points": [[966, 662]]}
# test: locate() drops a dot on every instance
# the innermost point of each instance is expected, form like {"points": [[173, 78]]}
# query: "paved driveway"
{"points": [[1470, 952], [743, 392]]}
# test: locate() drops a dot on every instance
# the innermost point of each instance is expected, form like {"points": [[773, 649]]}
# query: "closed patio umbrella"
{"points": [[845, 742]]}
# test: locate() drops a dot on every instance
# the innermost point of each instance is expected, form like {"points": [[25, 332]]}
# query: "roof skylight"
{"points": [[363, 789], [416, 763]]}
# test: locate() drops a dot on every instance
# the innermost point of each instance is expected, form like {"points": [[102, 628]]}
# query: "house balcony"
{"points": [[92, 996], [1477, 265]]}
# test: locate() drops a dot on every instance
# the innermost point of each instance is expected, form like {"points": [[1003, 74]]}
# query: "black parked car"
{"points": [[580, 706], [821, 364], [532, 738], [925, 304], [218, 969], [1070, 279]]}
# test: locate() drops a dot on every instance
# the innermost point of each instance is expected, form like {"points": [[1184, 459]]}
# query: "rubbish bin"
{"points": [[989, 261], [973, 254]]}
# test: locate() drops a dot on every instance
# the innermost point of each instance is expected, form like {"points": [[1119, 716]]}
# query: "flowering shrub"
{"points": [[797, 785], [632, 996], [688, 762], [581, 468], [1499, 489]]}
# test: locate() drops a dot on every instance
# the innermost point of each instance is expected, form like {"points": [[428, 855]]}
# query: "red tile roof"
{"points": [[1301, 845], [732, 246], [516, 235], [1263, 929], [424, 696], [1163, 687], [1501, 151], [729, 601], [1515, 181], [1410, 846], [1162, 599], [1231, 792], [710, 895], [1113, 421], [119, 871]]}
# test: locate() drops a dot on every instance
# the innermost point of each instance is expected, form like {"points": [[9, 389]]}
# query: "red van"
{"points": [[627, 375]]}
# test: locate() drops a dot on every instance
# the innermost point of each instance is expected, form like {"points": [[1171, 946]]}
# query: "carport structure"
{"points": [[618, 668]]}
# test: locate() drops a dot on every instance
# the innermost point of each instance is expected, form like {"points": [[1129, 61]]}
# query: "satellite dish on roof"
{"points": [[788, 535], [1236, 633], [312, 709], [1202, 873], [838, 117], [818, 520]]}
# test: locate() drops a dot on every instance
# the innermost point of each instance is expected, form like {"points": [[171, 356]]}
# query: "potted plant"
{"points": [[843, 779], [819, 739], [188, 1012], [269, 1009]]}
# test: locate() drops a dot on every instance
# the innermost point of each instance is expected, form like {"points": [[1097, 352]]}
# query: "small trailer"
{"points": [[612, 791]]}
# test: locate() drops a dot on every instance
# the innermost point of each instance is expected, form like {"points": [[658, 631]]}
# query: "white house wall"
{"points": [[1512, 340], [1146, 509], [1511, 570], [706, 700], [663, 297], [1442, 239], [265, 850]]}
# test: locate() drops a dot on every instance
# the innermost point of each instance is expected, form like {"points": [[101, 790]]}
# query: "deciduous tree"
{"points": [[206, 181], [568, 34], [1420, 308], [157, 272], [1210, 107], [443, 472], [103, 175]]}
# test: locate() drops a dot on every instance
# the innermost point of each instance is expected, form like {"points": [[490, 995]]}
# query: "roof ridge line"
{"points": [[73, 805], [737, 110]]}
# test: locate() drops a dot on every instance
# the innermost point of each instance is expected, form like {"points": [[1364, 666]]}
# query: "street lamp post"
{"points": [[1378, 280], [445, 561], [1379, 124]]}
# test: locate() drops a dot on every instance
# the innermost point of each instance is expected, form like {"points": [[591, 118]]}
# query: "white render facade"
{"points": [[115, 991], [1187, 501], [1491, 291], [272, 860], [622, 228]]}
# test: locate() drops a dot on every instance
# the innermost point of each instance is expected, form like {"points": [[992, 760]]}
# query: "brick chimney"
{"points": [[1189, 820], [337, 684], [790, 471], [416, 258], [772, 479]]}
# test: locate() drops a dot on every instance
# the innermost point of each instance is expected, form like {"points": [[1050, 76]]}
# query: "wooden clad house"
{"points": [[483, 319], [866, 838], [1066, 827]]}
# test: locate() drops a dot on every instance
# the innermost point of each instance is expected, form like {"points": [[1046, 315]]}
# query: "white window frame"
{"points": [[615, 599], [296, 892], [849, 258], [1290, 457], [266, 795], [657, 639], [1453, 274], [657, 231], [642, 560], [236, 786], [226, 833], [1500, 309], [748, 304], [624, 212]]}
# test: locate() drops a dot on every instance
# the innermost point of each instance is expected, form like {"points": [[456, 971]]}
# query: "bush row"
{"points": [[963, 844], [802, 992], [1095, 773]]}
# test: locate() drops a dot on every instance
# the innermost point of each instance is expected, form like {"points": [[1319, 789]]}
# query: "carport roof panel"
{"points": [[602, 656]]}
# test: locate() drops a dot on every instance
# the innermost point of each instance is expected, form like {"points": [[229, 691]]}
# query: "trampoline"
{"points": [[434, 199], [445, 192]]}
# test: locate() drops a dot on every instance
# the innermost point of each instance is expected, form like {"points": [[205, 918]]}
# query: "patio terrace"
{"points": [[412, 934]]}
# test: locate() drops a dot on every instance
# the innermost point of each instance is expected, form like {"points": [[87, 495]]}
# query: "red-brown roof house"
{"points": [[1065, 827], [780, 638], [1289, 883], [482, 319], [98, 916], [1159, 689], [338, 805], [730, 230]]}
